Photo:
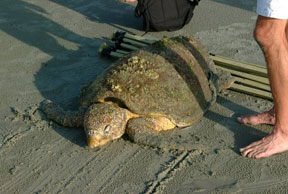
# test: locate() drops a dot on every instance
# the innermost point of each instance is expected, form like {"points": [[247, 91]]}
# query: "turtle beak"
{"points": [[96, 141]]}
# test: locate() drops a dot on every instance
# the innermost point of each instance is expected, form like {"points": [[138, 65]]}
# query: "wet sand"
{"points": [[48, 50]]}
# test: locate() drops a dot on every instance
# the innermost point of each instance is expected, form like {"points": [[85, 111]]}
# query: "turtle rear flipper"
{"points": [[142, 131], [62, 117]]}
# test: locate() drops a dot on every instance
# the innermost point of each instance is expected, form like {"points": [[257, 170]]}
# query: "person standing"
{"points": [[271, 32]]}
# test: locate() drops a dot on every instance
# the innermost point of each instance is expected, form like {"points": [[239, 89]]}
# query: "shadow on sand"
{"points": [[243, 134], [68, 69]]}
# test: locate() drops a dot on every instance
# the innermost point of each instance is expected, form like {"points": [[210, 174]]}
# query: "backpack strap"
{"points": [[140, 8], [194, 2], [139, 11], [191, 11]]}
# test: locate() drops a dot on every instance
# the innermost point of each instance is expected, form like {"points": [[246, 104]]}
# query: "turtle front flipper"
{"points": [[151, 132], [62, 117]]}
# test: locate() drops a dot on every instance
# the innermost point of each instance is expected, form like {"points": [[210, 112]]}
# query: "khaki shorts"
{"points": [[273, 8]]}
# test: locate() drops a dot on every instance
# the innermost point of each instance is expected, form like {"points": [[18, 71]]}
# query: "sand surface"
{"points": [[48, 50]]}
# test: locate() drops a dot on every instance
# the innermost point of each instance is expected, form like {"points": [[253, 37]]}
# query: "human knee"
{"points": [[263, 36], [269, 32]]}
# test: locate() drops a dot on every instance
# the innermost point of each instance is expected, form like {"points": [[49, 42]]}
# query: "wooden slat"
{"points": [[256, 78], [240, 66], [128, 46], [122, 52], [251, 91], [253, 84], [234, 60], [139, 38], [135, 43], [115, 54]]}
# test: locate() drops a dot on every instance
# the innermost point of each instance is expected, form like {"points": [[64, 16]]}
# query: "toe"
{"points": [[245, 120], [245, 151], [250, 146], [251, 154], [240, 119], [256, 151], [249, 151], [262, 155]]}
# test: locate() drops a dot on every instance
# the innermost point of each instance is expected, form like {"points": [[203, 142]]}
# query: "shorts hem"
{"points": [[272, 16]]}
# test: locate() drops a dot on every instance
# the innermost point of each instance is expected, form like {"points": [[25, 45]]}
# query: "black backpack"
{"points": [[165, 15]]}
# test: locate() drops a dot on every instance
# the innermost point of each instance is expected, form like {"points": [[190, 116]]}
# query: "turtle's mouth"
{"points": [[96, 141]]}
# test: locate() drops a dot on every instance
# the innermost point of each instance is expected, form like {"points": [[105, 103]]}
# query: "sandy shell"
{"points": [[173, 77]]}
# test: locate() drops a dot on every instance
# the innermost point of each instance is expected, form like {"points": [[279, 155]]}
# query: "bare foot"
{"points": [[274, 143], [267, 117]]}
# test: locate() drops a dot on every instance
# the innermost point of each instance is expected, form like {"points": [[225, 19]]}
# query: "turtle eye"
{"points": [[107, 128]]}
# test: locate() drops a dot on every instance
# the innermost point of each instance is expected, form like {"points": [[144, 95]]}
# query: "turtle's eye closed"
{"points": [[107, 129]]}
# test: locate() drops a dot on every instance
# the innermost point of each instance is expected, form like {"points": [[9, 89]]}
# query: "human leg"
{"points": [[269, 9], [272, 36]]}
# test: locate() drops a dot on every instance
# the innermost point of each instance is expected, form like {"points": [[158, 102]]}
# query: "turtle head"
{"points": [[104, 122]]}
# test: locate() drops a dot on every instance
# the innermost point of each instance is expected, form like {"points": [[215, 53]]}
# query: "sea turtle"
{"points": [[167, 85]]}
